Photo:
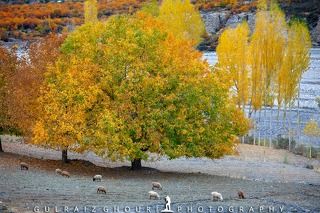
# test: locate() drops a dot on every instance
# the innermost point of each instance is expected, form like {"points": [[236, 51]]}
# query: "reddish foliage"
{"points": [[42, 19], [25, 82]]}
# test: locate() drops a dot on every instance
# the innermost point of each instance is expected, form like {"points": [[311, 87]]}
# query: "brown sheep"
{"points": [[101, 189], [241, 195], [24, 166]]}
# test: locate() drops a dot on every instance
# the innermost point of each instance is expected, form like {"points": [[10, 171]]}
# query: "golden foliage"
{"points": [[233, 60], [312, 129], [182, 19], [295, 62], [90, 11], [128, 87], [270, 66]]}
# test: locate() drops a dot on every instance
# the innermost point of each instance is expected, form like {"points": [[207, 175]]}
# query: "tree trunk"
{"points": [[265, 123], [289, 124], [1, 150], [65, 156], [136, 164], [270, 127], [299, 123]]}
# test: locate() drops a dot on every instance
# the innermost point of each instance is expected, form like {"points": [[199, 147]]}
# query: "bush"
{"points": [[315, 152], [299, 150], [304, 150], [283, 143], [248, 140]]}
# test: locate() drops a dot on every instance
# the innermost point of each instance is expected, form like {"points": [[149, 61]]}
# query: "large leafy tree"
{"points": [[7, 68], [25, 83], [69, 90], [145, 91]]}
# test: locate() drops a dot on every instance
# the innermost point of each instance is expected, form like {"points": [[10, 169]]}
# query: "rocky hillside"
{"points": [[217, 19]]}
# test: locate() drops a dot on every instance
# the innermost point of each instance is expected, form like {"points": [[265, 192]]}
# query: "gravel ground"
{"points": [[259, 172]]}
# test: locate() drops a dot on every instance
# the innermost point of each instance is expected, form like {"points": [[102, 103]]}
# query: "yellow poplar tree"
{"points": [[311, 129], [232, 54], [295, 62], [90, 11], [267, 52], [274, 61], [182, 19]]}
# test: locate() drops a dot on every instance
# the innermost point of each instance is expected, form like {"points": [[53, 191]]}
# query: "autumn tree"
{"points": [[267, 50], [295, 63], [26, 81], [61, 124], [312, 128], [182, 19], [90, 11], [7, 68], [69, 90], [142, 90], [272, 62], [232, 52]]}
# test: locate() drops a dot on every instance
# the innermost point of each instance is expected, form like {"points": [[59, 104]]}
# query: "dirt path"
{"points": [[40, 186]]}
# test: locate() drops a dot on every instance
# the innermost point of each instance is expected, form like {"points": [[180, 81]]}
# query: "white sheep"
{"points": [[101, 189], [65, 174], [156, 185], [24, 166], [58, 171], [97, 178], [216, 196], [154, 195]]}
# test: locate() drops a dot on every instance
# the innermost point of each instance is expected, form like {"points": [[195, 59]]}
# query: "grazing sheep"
{"points": [[156, 185], [216, 196], [65, 174], [59, 171], [24, 166], [97, 178], [154, 195], [241, 195], [101, 189]]}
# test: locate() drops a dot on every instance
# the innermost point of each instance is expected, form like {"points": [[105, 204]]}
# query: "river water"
{"points": [[310, 89]]}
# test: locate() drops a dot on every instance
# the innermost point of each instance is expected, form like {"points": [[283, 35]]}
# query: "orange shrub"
{"points": [[37, 16]]}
